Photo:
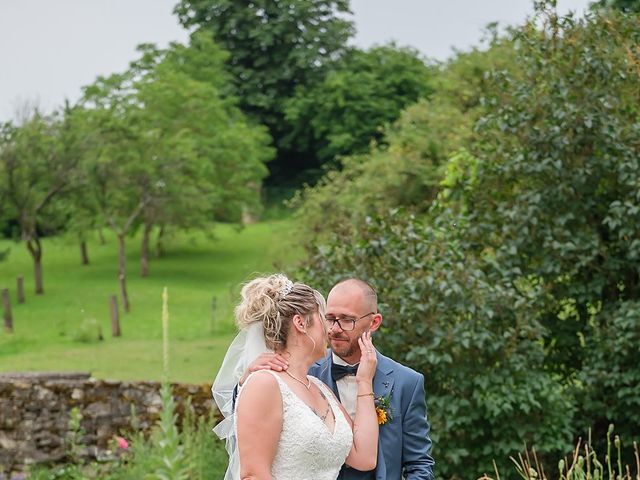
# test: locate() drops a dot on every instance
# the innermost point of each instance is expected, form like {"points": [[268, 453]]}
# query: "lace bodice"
{"points": [[307, 449]]}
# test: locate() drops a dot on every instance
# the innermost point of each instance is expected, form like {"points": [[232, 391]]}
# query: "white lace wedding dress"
{"points": [[307, 449]]}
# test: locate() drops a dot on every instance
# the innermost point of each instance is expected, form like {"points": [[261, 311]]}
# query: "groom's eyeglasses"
{"points": [[346, 324]]}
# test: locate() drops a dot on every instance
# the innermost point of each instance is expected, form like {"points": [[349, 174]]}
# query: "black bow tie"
{"points": [[339, 371]]}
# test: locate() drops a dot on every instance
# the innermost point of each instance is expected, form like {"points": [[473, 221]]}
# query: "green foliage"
{"points": [[610, 373], [365, 90], [624, 5], [170, 143], [66, 472], [556, 196], [38, 165], [89, 331], [406, 174], [173, 461], [34, 169], [274, 47], [407, 168], [75, 435], [477, 341], [201, 455], [516, 289]]}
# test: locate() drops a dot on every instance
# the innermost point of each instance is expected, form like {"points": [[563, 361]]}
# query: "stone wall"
{"points": [[35, 410]]}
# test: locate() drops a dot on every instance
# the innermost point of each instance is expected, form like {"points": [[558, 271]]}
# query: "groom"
{"points": [[404, 445]]}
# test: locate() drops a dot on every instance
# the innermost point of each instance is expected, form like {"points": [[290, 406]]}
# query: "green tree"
{"points": [[363, 92], [517, 292], [210, 159], [558, 172], [79, 210], [476, 340], [170, 148], [558, 178], [118, 177], [38, 167], [623, 5], [407, 167], [274, 47]]}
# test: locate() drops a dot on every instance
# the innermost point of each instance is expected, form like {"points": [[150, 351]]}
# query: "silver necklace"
{"points": [[324, 417], [307, 385]]}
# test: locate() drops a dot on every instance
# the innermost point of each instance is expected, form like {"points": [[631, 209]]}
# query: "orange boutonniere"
{"points": [[383, 409]]}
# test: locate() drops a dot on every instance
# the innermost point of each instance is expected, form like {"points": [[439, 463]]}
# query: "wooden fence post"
{"points": [[6, 304], [20, 289], [115, 317]]}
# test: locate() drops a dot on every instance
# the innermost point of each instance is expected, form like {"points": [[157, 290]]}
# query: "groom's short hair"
{"points": [[368, 292]]}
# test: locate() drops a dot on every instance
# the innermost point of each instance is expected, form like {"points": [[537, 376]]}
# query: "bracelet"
{"points": [[365, 394]]}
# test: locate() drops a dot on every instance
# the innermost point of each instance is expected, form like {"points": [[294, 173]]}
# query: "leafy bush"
{"points": [[168, 453], [516, 293], [610, 375], [556, 200], [191, 452], [478, 341], [407, 165], [89, 331]]}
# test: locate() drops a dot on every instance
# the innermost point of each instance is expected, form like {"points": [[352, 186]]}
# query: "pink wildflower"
{"points": [[122, 443]]}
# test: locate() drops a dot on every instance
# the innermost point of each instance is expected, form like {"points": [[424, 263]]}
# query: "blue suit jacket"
{"points": [[404, 445]]}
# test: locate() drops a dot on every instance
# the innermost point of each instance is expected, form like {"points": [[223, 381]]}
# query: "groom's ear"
{"points": [[376, 321]]}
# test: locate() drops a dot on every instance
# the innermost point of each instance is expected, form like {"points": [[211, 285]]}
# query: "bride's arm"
{"points": [[364, 452], [259, 423]]}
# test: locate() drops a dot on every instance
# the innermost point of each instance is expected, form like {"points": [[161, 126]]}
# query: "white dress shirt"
{"points": [[347, 388]]}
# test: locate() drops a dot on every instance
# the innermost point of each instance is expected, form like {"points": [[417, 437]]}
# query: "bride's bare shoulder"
{"points": [[260, 387]]}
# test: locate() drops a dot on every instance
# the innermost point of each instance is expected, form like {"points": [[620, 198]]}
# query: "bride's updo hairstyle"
{"points": [[274, 301]]}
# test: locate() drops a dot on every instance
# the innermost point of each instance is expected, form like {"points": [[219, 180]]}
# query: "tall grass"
{"points": [[583, 464]]}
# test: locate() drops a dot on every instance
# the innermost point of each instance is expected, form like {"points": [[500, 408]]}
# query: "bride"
{"points": [[289, 425]]}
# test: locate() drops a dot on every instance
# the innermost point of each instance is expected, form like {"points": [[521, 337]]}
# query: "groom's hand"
{"points": [[266, 361]]}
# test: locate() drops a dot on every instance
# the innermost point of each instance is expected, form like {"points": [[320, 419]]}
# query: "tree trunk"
{"points": [[122, 272], [35, 249], [38, 274], [84, 255], [103, 241], [6, 305], [159, 248], [20, 289], [115, 317], [144, 251]]}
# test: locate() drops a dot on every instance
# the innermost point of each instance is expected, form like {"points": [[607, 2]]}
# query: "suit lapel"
{"points": [[383, 379]]}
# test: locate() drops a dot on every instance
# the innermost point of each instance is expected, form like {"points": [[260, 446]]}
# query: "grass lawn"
{"points": [[50, 330]]}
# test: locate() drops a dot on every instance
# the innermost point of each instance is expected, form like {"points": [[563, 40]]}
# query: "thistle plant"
{"points": [[583, 464], [173, 464]]}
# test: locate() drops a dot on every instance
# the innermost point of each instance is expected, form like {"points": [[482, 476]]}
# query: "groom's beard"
{"points": [[342, 345]]}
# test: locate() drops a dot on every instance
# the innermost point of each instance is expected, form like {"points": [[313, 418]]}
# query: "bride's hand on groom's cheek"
{"points": [[368, 359], [266, 361]]}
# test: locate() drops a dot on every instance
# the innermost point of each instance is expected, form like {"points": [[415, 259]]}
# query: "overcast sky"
{"points": [[50, 48]]}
